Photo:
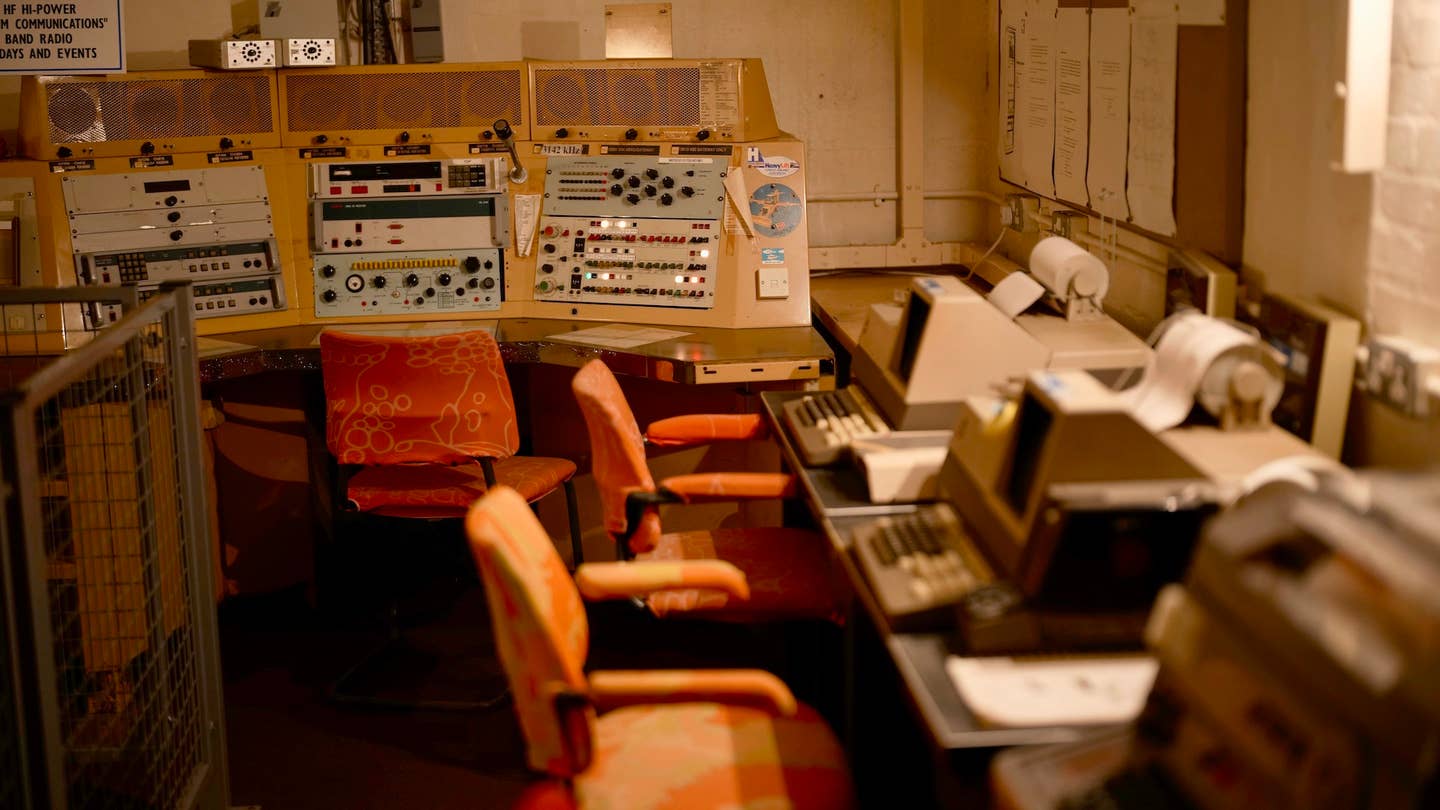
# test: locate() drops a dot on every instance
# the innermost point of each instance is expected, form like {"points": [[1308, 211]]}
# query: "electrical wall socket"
{"points": [[1019, 211], [1067, 223], [1398, 372]]}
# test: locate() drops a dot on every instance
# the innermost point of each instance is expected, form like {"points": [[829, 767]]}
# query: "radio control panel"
{"points": [[415, 283], [642, 231], [210, 226]]}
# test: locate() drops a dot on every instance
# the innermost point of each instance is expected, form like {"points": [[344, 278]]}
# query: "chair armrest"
{"points": [[622, 580], [730, 486], [703, 428], [747, 687]]}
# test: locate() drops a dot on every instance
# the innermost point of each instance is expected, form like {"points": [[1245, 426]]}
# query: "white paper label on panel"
{"points": [[1037, 98], [78, 36], [1109, 110], [1151, 159], [1072, 103]]}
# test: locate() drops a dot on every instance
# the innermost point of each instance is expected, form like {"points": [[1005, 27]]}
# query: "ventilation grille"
{"points": [[89, 112], [618, 97], [430, 100]]}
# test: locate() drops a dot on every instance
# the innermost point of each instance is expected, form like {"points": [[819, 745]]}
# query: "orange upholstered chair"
{"points": [[683, 738], [788, 570], [423, 425]]}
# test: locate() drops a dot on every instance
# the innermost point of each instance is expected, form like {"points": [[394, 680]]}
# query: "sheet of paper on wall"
{"points": [[1202, 12], [1072, 100], [1012, 21], [1037, 98], [1109, 106], [1151, 158]]}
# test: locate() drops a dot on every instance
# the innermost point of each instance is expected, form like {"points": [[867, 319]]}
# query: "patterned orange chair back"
{"points": [[540, 628], [441, 399], [617, 451]]}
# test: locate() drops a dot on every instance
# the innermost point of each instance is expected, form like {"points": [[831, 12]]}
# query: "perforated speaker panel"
{"points": [[325, 102], [89, 112], [668, 96]]}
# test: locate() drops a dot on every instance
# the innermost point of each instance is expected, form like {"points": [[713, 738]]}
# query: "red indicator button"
{"points": [[359, 189]]}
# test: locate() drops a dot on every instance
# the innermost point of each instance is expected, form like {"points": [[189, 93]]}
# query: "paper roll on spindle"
{"points": [[1189, 345], [1068, 270]]}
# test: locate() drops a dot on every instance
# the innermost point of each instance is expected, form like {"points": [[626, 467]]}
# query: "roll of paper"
{"points": [[1189, 344], [1068, 270]]}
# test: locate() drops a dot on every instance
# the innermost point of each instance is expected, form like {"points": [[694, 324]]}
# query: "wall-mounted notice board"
{"points": [[1130, 109]]}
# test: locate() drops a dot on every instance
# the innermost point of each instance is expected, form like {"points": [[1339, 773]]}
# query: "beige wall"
{"points": [[1368, 244], [830, 63]]}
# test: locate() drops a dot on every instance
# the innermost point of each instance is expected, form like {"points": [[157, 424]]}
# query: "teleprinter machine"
{"points": [[1209, 394], [950, 341], [1063, 516]]}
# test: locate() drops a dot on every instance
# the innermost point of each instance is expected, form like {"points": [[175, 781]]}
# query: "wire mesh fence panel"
{"points": [[13, 790], [122, 588]]}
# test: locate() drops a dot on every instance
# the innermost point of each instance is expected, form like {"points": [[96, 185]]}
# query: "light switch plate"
{"points": [[774, 282]]}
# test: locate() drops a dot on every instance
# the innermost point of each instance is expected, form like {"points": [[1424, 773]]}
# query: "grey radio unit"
{"points": [[401, 225], [409, 178]]}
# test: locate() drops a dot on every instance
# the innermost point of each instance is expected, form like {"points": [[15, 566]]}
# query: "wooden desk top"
{"points": [[699, 355], [841, 302]]}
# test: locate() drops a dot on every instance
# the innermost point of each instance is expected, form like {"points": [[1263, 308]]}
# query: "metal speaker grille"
{"points": [[428, 100], [618, 97], [183, 108], [74, 114]]}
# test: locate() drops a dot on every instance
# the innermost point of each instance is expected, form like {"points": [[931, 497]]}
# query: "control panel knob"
{"points": [[443, 279], [488, 264], [404, 137], [147, 148], [666, 199], [321, 138], [617, 190], [631, 134], [328, 271], [633, 199], [488, 282], [173, 216], [549, 247], [562, 132], [547, 268], [63, 152], [651, 174], [328, 296], [650, 191], [412, 280], [471, 264], [475, 282], [687, 191], [617, 172], [176, 236], [702, 135], [226, 143], [633, 182], [668, 181], [171, 201], [378, 281]]}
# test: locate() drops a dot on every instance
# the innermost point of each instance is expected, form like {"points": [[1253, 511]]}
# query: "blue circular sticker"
{"points": [[776, 210]]}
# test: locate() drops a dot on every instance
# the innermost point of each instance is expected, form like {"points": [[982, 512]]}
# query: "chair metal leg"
{"points": [[577, 549]]}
